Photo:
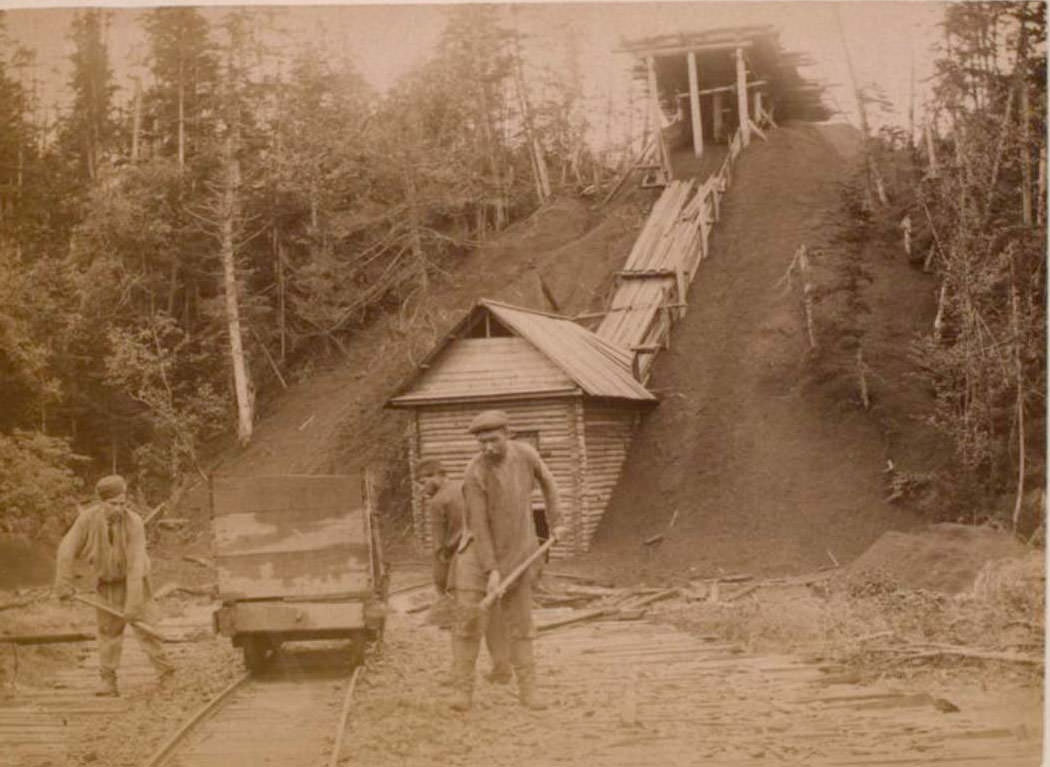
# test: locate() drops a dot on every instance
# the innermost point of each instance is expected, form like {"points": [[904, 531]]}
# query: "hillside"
{"points": [[763, 467], [769, 466], [333, 420]]}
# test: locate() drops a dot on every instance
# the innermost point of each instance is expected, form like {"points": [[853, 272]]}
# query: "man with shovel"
{"points": [[112, 538], [447, 525], [499, 557]]}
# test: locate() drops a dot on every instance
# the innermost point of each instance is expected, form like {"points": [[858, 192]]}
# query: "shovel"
{"points": [[143, 627], [516, 573]]}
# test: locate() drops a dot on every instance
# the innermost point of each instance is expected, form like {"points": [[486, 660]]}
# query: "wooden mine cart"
{"points": [[298, 557]]}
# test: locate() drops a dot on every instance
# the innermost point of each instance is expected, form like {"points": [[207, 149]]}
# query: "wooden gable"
{"points": [[471, 368]]}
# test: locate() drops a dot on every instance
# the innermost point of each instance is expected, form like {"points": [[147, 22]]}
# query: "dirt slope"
{"points": [[333, 420], [766, 470]]}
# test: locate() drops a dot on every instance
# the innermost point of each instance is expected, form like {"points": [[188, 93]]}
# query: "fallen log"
{"points": [[411, 587], [165, 590], [591, 591], [658, 597], [19, 603], [743, 592], [53, 638], [580, 578], [198, 561], [913, 652], [578, 618]]}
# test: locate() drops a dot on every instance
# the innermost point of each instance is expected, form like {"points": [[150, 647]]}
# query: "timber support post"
{"points": [[694, 106], [741, 97]]}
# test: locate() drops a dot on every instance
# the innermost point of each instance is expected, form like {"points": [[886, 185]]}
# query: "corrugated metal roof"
{"points": [[598, 367]]}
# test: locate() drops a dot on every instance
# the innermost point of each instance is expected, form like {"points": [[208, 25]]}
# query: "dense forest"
{"points": [[172, 251], [967, 189]]}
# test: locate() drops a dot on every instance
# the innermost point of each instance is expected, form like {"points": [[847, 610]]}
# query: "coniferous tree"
{"points": [[90, 130], [182, 102]]}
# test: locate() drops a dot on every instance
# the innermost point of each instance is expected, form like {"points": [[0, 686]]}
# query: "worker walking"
{"points": [[497, 486], [112, 537], [446, 512]]}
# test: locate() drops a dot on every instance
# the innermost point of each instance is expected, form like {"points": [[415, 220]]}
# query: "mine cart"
{"points": [[297, 557]]}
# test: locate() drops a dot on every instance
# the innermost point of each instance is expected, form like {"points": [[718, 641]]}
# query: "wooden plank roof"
{"points": [[599, 368], [708, 39], [479, 368]]}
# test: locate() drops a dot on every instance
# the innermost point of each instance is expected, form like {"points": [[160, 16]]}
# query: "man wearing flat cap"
{"points": [[112, 538], [447, 531], [497, 488]]}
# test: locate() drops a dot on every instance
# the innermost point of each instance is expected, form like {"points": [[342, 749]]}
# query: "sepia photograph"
{"points": [[524, 384]]}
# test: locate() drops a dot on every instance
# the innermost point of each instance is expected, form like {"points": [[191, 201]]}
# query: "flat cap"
{"points": [[488, 420], [429, 466], [111, 487]]}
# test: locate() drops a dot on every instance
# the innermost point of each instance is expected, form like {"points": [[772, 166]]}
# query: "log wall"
{"points": [[440, 431], [583, 443], [608, 430]]}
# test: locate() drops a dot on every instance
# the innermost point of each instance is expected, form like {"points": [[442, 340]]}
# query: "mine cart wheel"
{"points": [[258, 652]]}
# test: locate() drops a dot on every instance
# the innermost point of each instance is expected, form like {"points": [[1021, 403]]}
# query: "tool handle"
{"points": [[118, 614], [507, 582]]}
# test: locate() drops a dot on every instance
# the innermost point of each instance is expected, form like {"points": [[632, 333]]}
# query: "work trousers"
{"points": [[468, 589], [111, 630]]}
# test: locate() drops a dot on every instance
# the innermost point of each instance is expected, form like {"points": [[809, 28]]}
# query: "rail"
{"points": [[212, 709]]}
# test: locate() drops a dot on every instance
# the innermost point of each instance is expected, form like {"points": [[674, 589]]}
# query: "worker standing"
{"points": [[446, 512], [112, 537], [497, 487]]}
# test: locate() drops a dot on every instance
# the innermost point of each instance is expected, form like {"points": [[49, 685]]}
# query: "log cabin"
{"points": [[569, 393]]}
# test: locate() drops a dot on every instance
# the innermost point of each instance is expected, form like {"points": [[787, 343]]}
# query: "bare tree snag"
{"points": [[136, 122], [1026, 119], [862, 378], [938, 320], [876, 187], [228, 213], [1015, 322], [1040, 203], [931, 149]]}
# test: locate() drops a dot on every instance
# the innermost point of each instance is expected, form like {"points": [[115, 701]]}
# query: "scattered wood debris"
{"points": [[59, 637]]}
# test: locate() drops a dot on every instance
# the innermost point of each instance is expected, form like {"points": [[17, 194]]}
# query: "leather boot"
{"points": [[525, 669], [107, 685], [464, 656], [499, 674], [498, 643]]}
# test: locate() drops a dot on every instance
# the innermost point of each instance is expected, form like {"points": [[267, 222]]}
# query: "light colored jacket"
{"points": [[125, 557], [499, 505]]}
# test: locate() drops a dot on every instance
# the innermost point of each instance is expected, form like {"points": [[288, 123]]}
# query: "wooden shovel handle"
{"points": [[507, 582], [145, 627]]}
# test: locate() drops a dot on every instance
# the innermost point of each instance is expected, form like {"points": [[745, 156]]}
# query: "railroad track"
{"points": [[293, 715]]}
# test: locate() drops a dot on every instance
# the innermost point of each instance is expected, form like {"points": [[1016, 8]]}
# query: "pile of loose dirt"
{"points": [[944, 557]]}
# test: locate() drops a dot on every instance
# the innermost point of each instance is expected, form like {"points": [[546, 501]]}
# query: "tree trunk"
{"points": [[233, 320], [182, 116], [931, 149], [282, 326], [1026, 119], [136, 122], [1015, 322], [876, 188], [539, 164]]}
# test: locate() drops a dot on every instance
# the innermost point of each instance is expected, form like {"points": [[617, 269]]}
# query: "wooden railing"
{"points": [[651, 289]]}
